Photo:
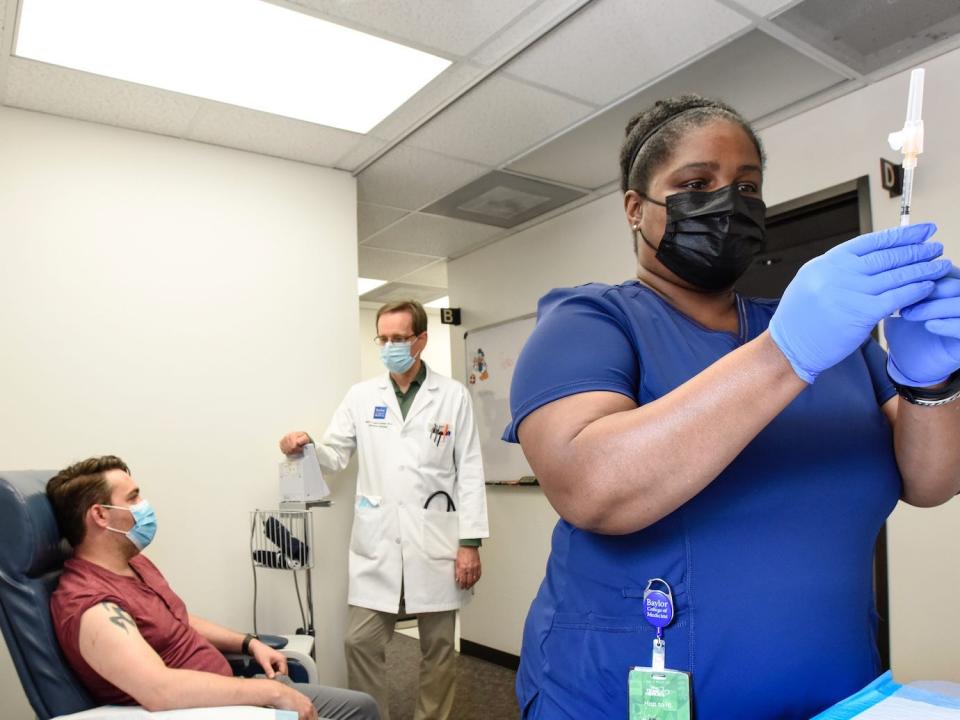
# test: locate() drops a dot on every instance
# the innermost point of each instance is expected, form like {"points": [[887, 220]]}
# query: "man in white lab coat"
{"points": [[418, 442]]}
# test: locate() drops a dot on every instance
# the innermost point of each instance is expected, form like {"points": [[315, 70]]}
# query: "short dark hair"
{"points": [[75, 489], [417, 313], [652, 135]]}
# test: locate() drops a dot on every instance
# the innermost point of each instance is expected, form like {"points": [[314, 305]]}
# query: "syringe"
{"points": [[910, 141]]}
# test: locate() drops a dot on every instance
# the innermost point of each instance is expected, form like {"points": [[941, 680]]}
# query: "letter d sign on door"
{"points": [[891, 177]]}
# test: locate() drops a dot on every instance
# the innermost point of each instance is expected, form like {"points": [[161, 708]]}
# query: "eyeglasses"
{"points": [[382, 340]]}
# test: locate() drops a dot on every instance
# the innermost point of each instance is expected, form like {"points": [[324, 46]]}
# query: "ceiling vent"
{"points": [[503, 199], [397, 291], [867, 35]]}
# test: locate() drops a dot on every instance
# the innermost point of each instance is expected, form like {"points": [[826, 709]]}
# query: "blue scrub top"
{"points": [[770, 565]]}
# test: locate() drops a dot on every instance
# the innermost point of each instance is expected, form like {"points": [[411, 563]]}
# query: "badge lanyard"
{"points": [[655, 693], [658, 610]]}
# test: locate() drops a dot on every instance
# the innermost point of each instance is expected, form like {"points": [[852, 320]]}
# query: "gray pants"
{"points": [[336, 703]]}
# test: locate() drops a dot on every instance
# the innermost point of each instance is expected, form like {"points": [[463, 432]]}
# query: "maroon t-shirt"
{"points": [[160, 615]]}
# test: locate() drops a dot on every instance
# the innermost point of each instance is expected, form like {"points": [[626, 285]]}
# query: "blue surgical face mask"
{"points": [[396, 357], [144, 523]]}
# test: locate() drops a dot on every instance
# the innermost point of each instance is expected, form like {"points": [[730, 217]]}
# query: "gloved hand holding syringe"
{"points": [[923, 340], [876, 273], [910, 141]]}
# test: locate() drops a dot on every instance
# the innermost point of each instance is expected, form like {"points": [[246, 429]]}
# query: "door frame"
{"points": [[860, 185]]}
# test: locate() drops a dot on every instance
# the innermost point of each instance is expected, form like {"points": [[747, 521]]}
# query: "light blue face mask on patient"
{"points": [[144, 523]]}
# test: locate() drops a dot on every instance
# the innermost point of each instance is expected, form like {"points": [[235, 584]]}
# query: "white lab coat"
{"points": [[402, 463]]}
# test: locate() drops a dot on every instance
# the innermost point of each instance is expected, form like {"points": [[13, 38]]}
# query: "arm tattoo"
{"points": [[120, 618]]}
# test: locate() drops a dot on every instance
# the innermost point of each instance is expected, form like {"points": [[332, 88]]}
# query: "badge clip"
{"points": [[658, 611]]}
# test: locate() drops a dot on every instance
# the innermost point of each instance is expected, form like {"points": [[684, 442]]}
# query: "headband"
{"points": [[654, 130]]}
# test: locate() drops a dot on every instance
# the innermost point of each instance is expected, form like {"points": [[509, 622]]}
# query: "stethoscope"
{"points": [[450, 506]]}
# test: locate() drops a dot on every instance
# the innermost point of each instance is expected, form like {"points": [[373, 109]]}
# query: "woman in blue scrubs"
{"points": [[746, 451]]}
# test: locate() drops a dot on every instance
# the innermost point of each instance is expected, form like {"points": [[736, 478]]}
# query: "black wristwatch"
{"points": [[245, 648], [931, 398]]}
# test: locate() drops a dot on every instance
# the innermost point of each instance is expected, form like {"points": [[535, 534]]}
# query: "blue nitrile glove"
{"points": [[924, 343], [836, 299]]}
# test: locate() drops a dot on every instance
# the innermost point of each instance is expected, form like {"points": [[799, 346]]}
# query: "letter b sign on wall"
{"points": [[450, 316]]}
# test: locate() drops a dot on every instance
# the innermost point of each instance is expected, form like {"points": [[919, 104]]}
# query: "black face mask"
{"points": [[711, 238]]}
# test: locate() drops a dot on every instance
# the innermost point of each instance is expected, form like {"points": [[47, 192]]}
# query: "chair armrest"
{"points": [[302, 668], [116, 712], [298, 660], [243, 712], [277, 642], [298, 649]]}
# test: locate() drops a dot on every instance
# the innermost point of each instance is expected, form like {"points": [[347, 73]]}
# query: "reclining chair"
{"points": [[31, 560]]}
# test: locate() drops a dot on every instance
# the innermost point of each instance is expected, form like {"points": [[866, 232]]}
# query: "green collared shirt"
{"points": [[405, 401]]}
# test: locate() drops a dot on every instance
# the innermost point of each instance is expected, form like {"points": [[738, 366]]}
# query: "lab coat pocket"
{"points": [[367, 531], [441, 534], [437, 453]]}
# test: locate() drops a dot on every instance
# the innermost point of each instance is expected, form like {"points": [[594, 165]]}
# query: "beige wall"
{"points": [[169, 301], [826, 146], [838, 142], [500, 282]]}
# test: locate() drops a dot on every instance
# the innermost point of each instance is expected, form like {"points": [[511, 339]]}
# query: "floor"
{"points": [[484, 690]]}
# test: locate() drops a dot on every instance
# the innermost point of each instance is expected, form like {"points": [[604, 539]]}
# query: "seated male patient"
{"points": [[130, 639]]}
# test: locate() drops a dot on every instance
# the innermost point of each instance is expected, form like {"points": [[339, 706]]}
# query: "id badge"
{"points": [[658, 694]]}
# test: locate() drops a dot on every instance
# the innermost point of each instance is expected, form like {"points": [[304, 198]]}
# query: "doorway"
{"points": [[800, 230]]}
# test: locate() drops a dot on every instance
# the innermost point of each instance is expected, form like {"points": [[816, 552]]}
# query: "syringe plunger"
{"points": [[915, 98]]}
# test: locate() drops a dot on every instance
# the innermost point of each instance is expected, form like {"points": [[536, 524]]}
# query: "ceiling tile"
{"points": [[523, 30], [387, 265], [261, 132], [362, 151], [503, 199], [435, 275], [764, 8], [868, 35], [497, 120], [374, 218], [455, 28], [399, 291], [410, 178], [60, 91], [447, 84], [8, 16], [6, 39], [432, 235], [586, 156], [755, 73], [623, 45]]}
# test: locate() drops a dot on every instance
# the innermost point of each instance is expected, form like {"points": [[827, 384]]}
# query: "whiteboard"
{"points": [[491, 355]]}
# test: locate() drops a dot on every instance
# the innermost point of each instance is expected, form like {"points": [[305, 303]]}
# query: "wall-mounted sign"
{"points": [[450, 316], [891, 177]]}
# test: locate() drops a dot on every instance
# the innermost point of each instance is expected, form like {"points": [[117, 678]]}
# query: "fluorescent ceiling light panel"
{"points": [[365, 285], [439, 303], [242, 52]]}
